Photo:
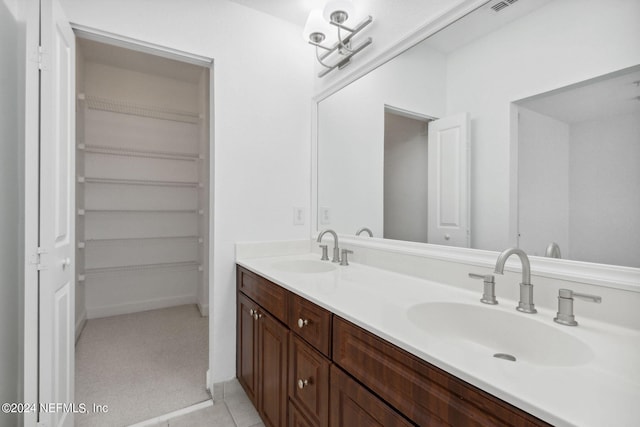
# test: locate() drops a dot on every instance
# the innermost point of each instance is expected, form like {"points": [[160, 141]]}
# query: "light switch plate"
{"points": [[325, 215], [298, 216]]}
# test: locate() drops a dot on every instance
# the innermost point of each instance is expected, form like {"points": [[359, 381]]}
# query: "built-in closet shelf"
{"points": [[89, 180], [129, 152], [82, 244], [140, 267], [142, 179], [130, 108], [163, 211]]}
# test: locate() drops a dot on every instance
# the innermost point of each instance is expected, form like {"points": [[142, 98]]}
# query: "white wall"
{"points": [[543, 183], [10, 208], [405, 179], [351, 138], [262, 91], [604, 153], [513, 63]]}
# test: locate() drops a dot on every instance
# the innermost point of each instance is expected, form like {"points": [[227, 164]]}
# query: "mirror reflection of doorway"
{"points": [[405, 175]]}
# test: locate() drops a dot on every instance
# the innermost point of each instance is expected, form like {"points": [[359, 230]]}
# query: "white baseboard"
{"points": [[134, 307], [204, 309], [81, 321]]}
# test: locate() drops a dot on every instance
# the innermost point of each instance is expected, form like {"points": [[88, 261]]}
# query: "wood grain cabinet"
{"points": [[423, 393], [261, 364], [247, 347], [311, 322], [303, 366], [354, 406], [309, 381]]}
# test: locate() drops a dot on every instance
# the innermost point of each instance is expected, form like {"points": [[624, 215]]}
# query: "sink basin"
{"points": [[488, 331], [304, 266]]}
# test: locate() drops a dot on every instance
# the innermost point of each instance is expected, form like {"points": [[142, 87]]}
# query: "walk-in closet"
{"points": [[142, 206]]}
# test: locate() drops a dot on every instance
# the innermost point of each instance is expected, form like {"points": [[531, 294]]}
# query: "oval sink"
{"points": [[496, 332], [304, 266]]}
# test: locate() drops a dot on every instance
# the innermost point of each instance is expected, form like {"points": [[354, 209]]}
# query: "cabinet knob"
{"points": [[302, 322], [302, 383]]}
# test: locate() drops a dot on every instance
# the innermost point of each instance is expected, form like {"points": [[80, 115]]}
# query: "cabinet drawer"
{"points": [[353, 405], [311, 322], [424, 393], [270, 296], [309, 381], [297, 418]]}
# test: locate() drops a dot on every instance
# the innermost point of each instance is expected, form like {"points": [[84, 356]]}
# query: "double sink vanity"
{"points": [[324, 344]]}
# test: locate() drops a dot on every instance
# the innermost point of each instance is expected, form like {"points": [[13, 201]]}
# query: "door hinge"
{"points": [[36, 259], [41, 53]]}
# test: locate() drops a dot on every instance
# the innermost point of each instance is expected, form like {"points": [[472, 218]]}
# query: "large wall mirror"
{"points": [[515, 125]]}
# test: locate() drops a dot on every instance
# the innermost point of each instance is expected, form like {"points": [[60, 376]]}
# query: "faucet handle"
{"points": [[568, 293], [485, 277], [344, 260], [325, 253], [489, 294], [565, 306]]}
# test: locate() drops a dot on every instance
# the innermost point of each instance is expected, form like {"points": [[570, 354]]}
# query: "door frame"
{"points": [[31, 206], [30, 335]]}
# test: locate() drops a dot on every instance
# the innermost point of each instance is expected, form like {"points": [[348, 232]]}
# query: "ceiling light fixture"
{"points": [[337, 13]]}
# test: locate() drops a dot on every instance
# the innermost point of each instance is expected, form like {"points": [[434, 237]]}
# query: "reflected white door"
{"points": [[449, 181], [57, 225]]}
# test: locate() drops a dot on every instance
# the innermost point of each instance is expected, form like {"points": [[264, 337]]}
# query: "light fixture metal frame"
{"points": [[342, 45]]}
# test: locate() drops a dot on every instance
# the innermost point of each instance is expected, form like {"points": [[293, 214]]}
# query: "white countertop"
{"points": [[604, 391]]}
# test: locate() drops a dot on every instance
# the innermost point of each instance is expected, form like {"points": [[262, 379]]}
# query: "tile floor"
{"points": [[231, 408]]}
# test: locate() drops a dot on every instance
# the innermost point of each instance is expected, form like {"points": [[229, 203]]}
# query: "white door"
{"points": [[57, 225], [448, 181]]}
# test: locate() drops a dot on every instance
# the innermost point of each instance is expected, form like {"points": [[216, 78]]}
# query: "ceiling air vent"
{"points": [[502, 4]]}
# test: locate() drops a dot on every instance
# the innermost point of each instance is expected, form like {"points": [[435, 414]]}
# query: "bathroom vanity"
{"points": [[298, 360], [319, 344]]}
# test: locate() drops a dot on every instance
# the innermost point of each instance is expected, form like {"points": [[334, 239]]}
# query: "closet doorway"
{"points": [[405, 175], [142, 229]]}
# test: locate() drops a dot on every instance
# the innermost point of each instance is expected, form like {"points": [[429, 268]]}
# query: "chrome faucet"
{"points": [[526, 288], [553, 251], [364, 230], [336, 250]]}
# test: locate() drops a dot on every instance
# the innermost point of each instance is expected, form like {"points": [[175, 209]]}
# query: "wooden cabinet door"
{"points": [[354, 406], [309, 381], [272, 361], [247, 347]]}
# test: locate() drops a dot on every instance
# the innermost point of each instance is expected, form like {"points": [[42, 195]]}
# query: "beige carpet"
{"points": [[141, 365]]}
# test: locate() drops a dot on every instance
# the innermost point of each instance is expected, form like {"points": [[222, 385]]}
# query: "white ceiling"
{"points": [[605, 96], [475, 25], [293, 11], [297, 11]]}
